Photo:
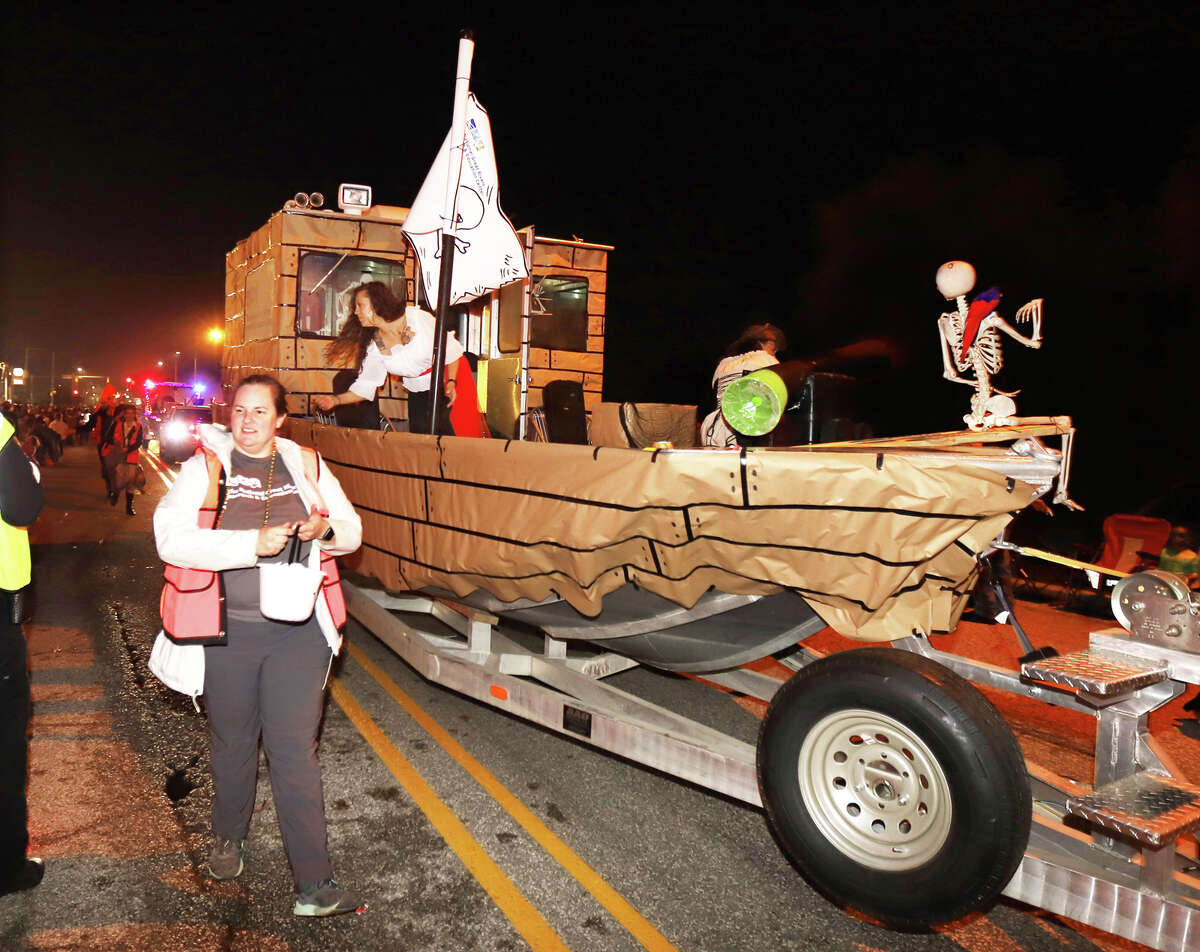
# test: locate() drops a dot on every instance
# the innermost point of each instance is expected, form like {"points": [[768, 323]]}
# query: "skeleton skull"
{"points": [[954, 279]]}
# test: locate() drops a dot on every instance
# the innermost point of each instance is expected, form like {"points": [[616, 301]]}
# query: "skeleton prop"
{"points": [[970, 338]]}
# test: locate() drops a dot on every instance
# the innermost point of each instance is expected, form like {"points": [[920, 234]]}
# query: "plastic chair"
{"points": [[1132, 543], [566, 418]]}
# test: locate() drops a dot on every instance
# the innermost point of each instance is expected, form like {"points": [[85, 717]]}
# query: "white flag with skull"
{"points": [[487, 252]]}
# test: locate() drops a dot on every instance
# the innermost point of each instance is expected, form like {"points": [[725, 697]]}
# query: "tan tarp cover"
{"points": [[878, 543]]}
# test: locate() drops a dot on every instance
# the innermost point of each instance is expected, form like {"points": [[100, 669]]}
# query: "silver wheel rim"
{"points": [[875, 790]]}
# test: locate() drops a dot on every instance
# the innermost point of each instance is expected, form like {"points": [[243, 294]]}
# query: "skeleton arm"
{"points": [[1031, 311]]}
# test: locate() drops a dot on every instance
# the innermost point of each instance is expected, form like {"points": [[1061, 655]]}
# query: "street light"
{"points": [[214, 335]]}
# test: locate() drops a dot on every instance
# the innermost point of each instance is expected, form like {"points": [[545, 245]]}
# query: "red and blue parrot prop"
{"points": [[984, 304]]}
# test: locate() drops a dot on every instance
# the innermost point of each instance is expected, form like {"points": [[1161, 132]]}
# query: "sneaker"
{"points": [[326, 899], [225, 860], [28, 875]]}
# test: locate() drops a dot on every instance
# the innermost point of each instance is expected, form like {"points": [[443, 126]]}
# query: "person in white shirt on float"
{"points": [[385, 336]]}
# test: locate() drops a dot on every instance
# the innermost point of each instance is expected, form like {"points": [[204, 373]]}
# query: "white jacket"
{"points": [[182, 542]]}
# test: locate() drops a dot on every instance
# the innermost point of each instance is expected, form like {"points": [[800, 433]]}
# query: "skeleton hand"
{"points": [[1033, 312]]}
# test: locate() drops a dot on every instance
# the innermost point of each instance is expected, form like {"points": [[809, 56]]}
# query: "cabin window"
{"points": [[323, 304], [559, 312]]}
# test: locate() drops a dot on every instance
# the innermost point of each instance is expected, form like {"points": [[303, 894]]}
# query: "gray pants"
{"points": [[269, 680]]}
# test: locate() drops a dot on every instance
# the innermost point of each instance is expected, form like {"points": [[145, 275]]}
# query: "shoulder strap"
{"points": [[312, 464], [214, 498], [312, 469]]}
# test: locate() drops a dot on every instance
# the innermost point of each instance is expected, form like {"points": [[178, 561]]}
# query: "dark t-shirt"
{"points": [[245, 507]]}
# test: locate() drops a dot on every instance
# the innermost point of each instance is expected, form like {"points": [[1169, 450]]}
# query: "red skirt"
{"points": [[465, 418]]}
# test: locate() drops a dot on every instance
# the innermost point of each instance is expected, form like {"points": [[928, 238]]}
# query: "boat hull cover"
{"points": [[879, 544]]}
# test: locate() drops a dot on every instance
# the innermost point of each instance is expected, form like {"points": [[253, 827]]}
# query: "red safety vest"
{"points": [[192, 604], [119, 440]]}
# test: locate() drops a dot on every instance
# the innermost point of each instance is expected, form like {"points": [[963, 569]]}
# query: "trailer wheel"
{"points": [[894, 786]]}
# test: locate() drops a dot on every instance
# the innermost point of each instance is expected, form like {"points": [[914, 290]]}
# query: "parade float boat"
{"points": [[885, 775], [704, 561]]}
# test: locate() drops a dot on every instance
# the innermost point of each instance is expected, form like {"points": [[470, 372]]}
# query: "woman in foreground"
{"points": [[264, 678]]}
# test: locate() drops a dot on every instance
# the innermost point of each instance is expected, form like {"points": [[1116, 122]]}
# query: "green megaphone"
{"points": [[754, 404]]}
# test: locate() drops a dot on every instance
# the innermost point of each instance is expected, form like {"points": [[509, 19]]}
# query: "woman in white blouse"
{"points": [[384, 336]]}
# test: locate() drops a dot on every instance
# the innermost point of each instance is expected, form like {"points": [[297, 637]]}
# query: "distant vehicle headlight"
{"points": [[175, 430]]}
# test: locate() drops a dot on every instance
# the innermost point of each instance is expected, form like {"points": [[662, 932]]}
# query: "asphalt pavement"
{"points": [[462, 827]]}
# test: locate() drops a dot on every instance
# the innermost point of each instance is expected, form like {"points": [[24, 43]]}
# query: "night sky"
{"points": [[813, 170]]}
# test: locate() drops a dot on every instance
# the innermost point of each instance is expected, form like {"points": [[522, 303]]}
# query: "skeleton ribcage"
{"points": [[988, 346]]}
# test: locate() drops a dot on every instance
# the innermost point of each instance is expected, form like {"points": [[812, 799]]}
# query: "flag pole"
{"points": [[458, 128]]}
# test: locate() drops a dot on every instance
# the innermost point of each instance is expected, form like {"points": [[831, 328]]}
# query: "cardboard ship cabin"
{"points": [[285, 299]]}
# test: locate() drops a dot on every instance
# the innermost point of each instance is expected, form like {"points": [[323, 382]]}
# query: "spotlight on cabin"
{"points": [[354, 199]]}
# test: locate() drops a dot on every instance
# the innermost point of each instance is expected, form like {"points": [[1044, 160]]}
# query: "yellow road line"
{"points": [[632, 920], [520, 912], [160, 468]]}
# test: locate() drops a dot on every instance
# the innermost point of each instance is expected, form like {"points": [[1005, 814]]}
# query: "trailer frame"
{"points": [[1149, 894]]}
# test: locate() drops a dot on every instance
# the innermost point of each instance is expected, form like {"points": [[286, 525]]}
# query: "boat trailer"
{"points": [[1104, 855]]}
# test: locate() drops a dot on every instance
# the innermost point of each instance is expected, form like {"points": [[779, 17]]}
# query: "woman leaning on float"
{"points": [[384, 335], [267, 677]]}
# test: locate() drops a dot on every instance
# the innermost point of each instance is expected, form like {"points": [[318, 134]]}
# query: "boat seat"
{"points": [[639, 425]]}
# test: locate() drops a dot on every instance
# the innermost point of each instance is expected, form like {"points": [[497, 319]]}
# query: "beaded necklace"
{"points": [[270, 483]]}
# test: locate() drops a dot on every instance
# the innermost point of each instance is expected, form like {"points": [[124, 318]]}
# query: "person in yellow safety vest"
{"points": [[20, 502]]}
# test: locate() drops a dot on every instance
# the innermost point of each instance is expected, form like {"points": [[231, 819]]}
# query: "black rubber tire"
{"points": [[981, 766]]}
